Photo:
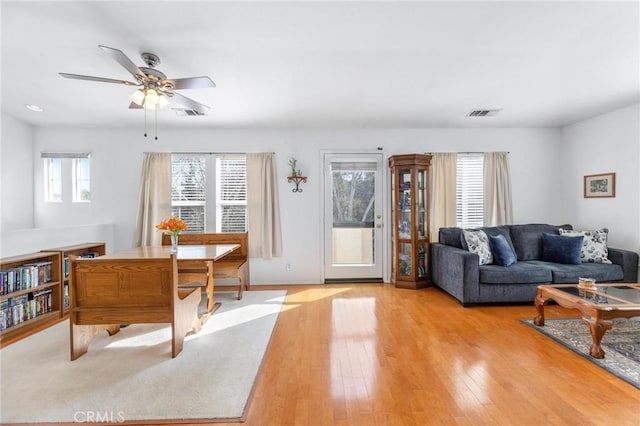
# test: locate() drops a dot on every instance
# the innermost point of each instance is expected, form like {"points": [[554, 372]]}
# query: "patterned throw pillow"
{"points": [[594, 246], [478, 243]]}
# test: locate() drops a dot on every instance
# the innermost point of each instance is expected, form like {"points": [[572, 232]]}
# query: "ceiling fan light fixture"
{"points": [[152, 97], [137, 97], [163, 102]]}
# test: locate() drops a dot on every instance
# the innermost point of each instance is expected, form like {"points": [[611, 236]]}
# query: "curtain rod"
{"points": [[464, 152], [201, 153]]}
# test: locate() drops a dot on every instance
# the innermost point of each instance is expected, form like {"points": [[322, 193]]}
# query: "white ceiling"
{"points": [[310, 64]]}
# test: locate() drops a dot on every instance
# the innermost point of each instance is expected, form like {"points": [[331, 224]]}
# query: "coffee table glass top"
{"points": [[613, 294]]}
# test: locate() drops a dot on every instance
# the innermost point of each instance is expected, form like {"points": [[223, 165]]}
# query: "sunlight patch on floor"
{"points": [[313, 294]]}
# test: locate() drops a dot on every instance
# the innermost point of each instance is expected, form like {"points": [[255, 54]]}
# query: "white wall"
{"points": [[603, 144], [22, 241], [117, 157], [547, 166], [16, 162]]}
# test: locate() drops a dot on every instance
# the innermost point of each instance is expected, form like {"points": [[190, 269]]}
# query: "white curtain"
{"points": [[263, 210], [442, 200], [498, 208], [155, 198]]}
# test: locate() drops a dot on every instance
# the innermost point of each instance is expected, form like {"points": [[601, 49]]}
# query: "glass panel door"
{"points": [[353, 217]]}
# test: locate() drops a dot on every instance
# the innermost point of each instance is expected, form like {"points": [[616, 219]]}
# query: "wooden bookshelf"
{"points": [[69, 252], [31, 294]]}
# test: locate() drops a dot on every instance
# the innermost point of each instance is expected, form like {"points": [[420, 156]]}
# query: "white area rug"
{"points": [[131, 376]]}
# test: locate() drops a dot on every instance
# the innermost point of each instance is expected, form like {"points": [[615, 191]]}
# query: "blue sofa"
{"points": [[456, 270]]}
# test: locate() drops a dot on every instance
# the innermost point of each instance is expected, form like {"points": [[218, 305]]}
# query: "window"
{"points": [[231, 193], [469, 190], [54, 165], [81, 182], [210, 192], [188, 191], [53, 180]]}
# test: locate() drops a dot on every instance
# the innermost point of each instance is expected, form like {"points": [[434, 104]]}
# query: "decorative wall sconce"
{"points": [[296, 175]]}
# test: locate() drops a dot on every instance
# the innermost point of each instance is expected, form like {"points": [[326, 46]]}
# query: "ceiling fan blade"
{"points": [[134, 105], [182, 102], [123, 60], [100, 79], [192, 83]]}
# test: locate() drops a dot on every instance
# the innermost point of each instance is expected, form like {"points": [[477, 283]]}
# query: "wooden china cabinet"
{"points": [[409, 213]]}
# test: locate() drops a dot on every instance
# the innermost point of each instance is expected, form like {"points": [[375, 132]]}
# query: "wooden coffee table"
{"points": [[599, 306]]}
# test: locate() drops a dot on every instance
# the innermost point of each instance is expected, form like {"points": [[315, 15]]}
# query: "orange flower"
{"points": [[172, 226]]}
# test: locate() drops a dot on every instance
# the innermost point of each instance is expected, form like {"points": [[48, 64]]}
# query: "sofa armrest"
{"points": [[456, 271], [629, 262]]}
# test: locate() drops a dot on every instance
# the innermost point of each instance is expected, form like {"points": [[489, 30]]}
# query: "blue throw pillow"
{"points": [[502, 253], [562, 249]]}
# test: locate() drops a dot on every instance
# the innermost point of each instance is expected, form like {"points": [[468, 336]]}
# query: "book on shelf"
{"points": [[24, 277], [89, 255], [16, 310], [65, 295], [65, 266]]}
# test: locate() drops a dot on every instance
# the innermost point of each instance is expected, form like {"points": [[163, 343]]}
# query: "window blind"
{"points": [[189, 200], [188, 191], [469, 190], [231, 193]]}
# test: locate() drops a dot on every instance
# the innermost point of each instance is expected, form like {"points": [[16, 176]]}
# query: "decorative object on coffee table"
{"points": [[586, 283], [600, 186]]}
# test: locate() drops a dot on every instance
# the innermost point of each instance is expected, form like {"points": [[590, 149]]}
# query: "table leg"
{"points": [[210, 301], [597, 327], [540, 301]]}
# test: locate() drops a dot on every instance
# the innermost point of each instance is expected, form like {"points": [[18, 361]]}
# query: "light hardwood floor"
{"points": [[371, 354]]}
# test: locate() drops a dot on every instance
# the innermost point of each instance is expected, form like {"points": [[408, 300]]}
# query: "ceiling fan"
{"points": [[155, 90]]}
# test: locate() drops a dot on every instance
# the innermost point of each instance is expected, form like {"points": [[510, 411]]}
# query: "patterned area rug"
{"points": [[621, 344]]}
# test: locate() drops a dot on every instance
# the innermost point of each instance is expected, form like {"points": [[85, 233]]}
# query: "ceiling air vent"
{"points": [[188, 113], [483, 113]]}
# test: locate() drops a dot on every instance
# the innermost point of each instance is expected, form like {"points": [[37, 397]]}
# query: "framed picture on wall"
{"points": [[600, 186]]}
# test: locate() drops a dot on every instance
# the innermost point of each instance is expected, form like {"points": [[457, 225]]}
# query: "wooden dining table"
{"points": [[190, 258]]}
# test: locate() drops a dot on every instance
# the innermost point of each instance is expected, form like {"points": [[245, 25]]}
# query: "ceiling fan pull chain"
{"points": [[156, 111], [145, 122]]}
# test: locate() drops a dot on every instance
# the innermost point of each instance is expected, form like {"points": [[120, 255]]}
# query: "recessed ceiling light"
{"points": [[34, 108]]}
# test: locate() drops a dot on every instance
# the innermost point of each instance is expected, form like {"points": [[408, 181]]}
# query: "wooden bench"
{"points": [[105, 293], [234, 265]]}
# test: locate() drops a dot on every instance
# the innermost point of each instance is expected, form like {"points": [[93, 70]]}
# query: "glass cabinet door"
{"points": [[404, 260], [421, 211], [404, 205]]}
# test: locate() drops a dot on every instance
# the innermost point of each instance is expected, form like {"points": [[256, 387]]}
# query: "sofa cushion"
{"points": [[561, 249], [478, 243], [569, 274], [451, 237], [518, 273], [594, 246], [503, 254], [527, 239]]}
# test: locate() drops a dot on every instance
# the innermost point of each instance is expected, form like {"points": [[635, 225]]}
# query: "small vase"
{"points": [[174, 242]]}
